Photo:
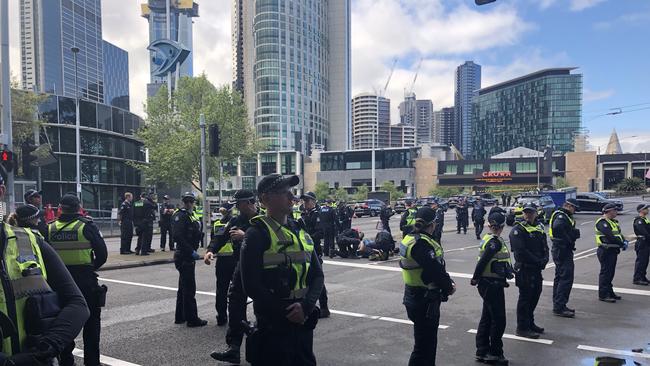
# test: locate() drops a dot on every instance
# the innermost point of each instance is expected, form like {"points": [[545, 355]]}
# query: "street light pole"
{"points": [[374, 134], [5, 91], [204, 179], [75, 51]]}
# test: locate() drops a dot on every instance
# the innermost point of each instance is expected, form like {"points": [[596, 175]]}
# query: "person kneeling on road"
{"points": [[349, 241], [379, 249]]}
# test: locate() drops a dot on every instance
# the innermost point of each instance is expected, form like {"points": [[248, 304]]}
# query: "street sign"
{"points": [[114, 213]]}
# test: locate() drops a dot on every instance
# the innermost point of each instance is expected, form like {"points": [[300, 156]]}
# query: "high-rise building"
{"points": [[180, 16], [468, 82], [370, 117], [237, 34], [49, 29], [296, 71], [116, 76], [402, 135], [419, 114], [444, 126], [534, 111]]}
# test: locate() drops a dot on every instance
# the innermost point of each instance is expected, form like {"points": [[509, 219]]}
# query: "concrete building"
{"points": [[116, 76], [49, 29], [419, 114], [444, 126], [467, 83], [535, 110], [296, 72], [370, 117], [402, 135], [181, 14]]}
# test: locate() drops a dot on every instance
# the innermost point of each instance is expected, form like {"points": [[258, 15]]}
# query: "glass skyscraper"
{"points": [[419, 114], [533, 111], [116, 76], [468, 82]]}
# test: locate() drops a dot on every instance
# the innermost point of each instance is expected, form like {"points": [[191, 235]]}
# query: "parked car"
{"points": [[487, 198], [400, 206], [427, 200], [544, 202], [370, 207], [590, 201], [453, 200]]}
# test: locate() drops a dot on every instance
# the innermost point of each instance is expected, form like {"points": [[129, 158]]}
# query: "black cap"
{"points": [[530, 206], [609, 207], [308, 196], [31, 193], [70, 202], [274, 182], [188, 197], [573, 202], [408, 201], [498, 209], [497, 218], [642, 206], [243, 195], [427, 214], [27, 212]]}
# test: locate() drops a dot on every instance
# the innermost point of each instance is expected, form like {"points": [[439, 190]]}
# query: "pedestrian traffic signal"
{"points": [[214, 140], [7, 160]]}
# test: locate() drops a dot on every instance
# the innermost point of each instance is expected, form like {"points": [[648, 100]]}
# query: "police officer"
{"points": [[81, 246], [492, 270], [344, 214], [563, 233], [34, 198], [440, 221], [245, 204], [408, 218], [26, 255], [149, 216], [226, 260], [166, 212], [384, 216], [530, 249], [329, 224], [282, 274], [187, 236], [478, 217], [516, 215], [427, 284], [462, 216], [642, 247], [126, 224], [311, 224], [609, 241]]}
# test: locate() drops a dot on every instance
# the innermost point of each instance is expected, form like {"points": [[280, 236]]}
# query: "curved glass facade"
{"points": [[291, 73], [107, 144]]}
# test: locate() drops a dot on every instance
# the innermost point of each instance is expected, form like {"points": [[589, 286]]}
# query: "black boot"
{"points": [[324, 312], [230, 355]]}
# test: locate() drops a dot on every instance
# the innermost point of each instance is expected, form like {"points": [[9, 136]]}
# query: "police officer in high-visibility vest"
{"points": [[642, 247], [32, 271], [232, 237], [81, 246], [530, 250], [563, 233], [282, 274], [610, 241], [516, 215], [225, 264], [427, 284], [187, 236], [492, 270], [408, 218]]}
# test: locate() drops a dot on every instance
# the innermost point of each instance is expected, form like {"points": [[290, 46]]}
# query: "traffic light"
{"points": [[214, 140], [7, 160]]}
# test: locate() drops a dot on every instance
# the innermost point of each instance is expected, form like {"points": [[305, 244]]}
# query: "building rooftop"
{"points": [[537, 74], [518, 152]]}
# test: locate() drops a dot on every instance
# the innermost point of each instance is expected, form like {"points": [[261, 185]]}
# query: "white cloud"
{"points": [[594, 95], [631, 141], [579, 5]]}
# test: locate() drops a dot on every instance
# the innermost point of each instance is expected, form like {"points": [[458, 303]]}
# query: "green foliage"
{"points": [[389, 187], [362, 193], [173, 136], [560, 182], [322, 190], [631, 185], [444, 192], [341, 195], [24, 117]]}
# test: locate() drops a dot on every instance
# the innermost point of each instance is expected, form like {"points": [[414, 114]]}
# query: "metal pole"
{"points": [[169, 36], [220, 177], [537, 172], [75, 51], [6, 97], [204, 179], [37, 142], [374, 134], [645, 168]]}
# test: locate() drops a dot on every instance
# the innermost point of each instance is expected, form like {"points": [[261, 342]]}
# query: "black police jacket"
{"points": [[529, 249], [478, 214], [564, 232], [462, 212], [609, 238], [385, 214], [328, 218], [311, 222], [149, 215], [126, 212], [186, 233], [221, 238], [641, 230], [166, 218]]}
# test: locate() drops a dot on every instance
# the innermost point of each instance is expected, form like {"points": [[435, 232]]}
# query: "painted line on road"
{"points": [[585, 223], [613, 351], [105, 360], [518, 338], [376, 317], [576, 256], [461, 249], [396, 258], [628, 291]]}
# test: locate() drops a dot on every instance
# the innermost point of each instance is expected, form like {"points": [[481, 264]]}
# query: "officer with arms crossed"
{"points": [[610, 241], [478, 217], [642, 247], [427, 284], [81, 246], [187, 235], [166, 212], [492, 270], [563, 233], [408, 218], [34, 274], [282, 274]]}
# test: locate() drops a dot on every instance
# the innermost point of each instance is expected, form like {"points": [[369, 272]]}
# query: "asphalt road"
{"points": [[369, 323]]}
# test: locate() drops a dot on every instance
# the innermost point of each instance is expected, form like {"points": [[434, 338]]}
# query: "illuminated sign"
{"points": [[166, 55], [504, 174]]}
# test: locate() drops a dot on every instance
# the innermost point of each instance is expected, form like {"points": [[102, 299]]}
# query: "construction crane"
{"points": [[392, 69], [409, 91]]}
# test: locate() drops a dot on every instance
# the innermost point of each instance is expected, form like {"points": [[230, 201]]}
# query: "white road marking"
{"points": [[110, 361], [376, 317], [614, 351], [586, 223], [517, 338], [461, 249], [396, 258], [622, 290]]}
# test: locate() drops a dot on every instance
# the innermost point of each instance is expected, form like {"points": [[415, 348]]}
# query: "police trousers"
{"points": [[237, 300], [529, 283], [165, 232], [493, 318], [126, 235], [425, 332], [328, 236], [224, 269], [185, 296], [478, 228], [289, 346], [642, 249], [563, 281], [92, 327], [607, 258]]}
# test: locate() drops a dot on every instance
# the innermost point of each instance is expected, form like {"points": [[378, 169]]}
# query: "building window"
{"points": [[451, 169], [468, 169], [528, 167], [248, 183], [500, 167], [268, 163]]}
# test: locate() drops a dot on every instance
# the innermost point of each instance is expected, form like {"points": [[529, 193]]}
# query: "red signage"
{"points": [[497, 174]]}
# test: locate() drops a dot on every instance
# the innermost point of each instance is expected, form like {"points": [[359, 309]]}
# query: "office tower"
{"points": [[444, 126], [419, 114], [370, 117], [468, 82], [116, 76]]}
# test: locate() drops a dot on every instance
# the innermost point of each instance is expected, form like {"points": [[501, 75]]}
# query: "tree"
{"points": [[25, 121], [322, 190], [173, 136], [341, 195], [389, 187], [362, 193], [560, 182], [444, 192], [630, 185]]}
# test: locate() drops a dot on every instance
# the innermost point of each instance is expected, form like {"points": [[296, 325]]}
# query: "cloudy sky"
{"points": [[606, 39]]}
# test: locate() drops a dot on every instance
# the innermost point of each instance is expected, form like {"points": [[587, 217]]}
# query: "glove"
{"points": [[625, 245], [195, 255], [473, 282]]}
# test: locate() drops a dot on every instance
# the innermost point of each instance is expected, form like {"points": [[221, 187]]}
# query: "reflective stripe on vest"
{"points": [[410, 219], [24, 275], [287, 248], [502, 255], [411, 270], [227, 249], [550, 222], [518, 211], [71, 245], [616, 231], [296, 213], [531, 228]]}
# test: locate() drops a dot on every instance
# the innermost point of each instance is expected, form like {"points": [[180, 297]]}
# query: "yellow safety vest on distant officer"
{"points": [[296, 212], [23, 275], [531, 228], [550, 223], [287, 248], [411, 270], [227, 249], [616, 231], [502, 256], [410, 218], [518, 212], [68, 239]]}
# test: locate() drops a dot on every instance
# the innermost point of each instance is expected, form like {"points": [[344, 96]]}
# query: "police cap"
{"points": [[573, 202], [497, 219], [32, 193], [308, 196], [69, 202], [609, 207], [530, 206], [274, 182], [427, 214], [27, 212], [243, 195], [188, 197], [642, 206]]}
